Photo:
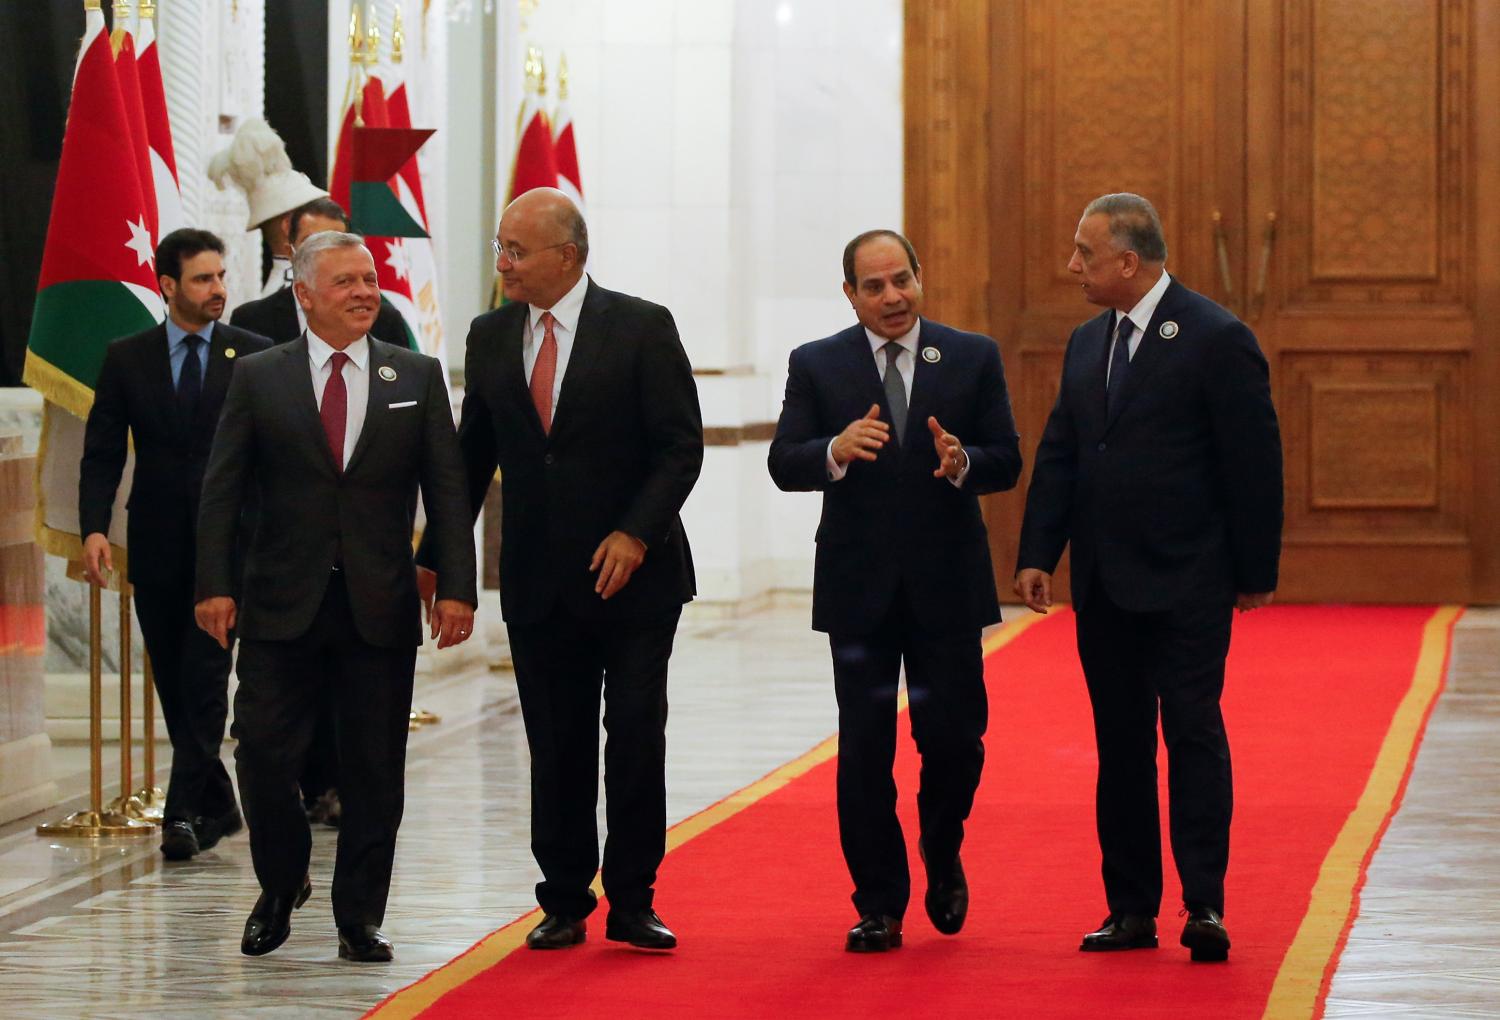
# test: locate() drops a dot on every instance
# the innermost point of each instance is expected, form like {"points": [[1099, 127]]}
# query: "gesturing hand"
{"points": [[861, 438], [950, 452], [615, 560], [1035, 588]]}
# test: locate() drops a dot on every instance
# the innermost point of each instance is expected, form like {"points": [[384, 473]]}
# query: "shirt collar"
{"points": [[176, 334], [566, 310], [1141, 314], [320, 352], [907, 340]]}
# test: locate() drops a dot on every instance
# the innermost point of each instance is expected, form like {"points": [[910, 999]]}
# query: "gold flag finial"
{"points": [[92, 5], [525, 9], [541, 74], [398, 36], [533, 66], [356, 37], [122, 18], [562, 76], [372, 43], [147, 9]]}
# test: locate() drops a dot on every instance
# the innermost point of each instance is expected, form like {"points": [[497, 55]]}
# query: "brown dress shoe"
{"points": [[556, 932], [875, 933], [1121, 931], [1205, 936]]}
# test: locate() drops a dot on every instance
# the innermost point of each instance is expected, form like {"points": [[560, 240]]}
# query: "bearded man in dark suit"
{"points": [[162, 389], [902, 423], [585, 401], [333, 435], [1160, 467]]}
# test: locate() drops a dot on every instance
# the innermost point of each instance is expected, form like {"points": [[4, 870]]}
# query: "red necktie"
{"points": [[335, 409], [544, 372]]}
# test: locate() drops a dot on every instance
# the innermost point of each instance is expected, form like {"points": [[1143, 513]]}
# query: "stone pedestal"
{"points": [[25, 749]]}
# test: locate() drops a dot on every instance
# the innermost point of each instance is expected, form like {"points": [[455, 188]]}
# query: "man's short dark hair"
{"points": [[325, 207], [183, 244], [1133, 224], [853, 247]]}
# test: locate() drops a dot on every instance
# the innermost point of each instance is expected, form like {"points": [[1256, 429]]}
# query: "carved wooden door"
{"points": [[1359, 125]]}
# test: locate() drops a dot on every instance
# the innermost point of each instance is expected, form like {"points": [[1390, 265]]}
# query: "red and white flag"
{"points": [[569, 180], [169, 212]]}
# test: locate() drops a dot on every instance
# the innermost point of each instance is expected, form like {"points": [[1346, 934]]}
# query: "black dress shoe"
{"points": [[1121, 931], [211, 830], [556, 932], [178, 840], [947, 899], [271, 921], [364, 943], [641, 928], [1205, 936], [875, 933]]}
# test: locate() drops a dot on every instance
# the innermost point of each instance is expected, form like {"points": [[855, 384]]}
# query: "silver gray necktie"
{"points": [[895, 389]]}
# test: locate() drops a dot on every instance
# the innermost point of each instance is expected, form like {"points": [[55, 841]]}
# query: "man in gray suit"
{"points": [[333, 434]]}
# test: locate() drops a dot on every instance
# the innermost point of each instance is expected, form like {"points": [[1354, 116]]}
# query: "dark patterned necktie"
{"points": [[335, 408], [190, 379], [1119, 363]]}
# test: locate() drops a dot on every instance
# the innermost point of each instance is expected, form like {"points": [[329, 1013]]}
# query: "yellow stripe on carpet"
{"points": [[412, 1000], [1313, 952]]}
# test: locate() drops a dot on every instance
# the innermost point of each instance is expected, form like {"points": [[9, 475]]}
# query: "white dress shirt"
{"points": [[1140, 317], [564, 329], [356, 382], [906, 366]]}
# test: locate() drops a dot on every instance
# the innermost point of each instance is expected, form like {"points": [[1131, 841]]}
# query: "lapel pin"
{"points": [[931, 355], [1168, 330], [387, 373], [229, 352]]}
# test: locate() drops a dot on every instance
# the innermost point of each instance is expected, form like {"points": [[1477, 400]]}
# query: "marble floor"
{"points": [[109, 930]]}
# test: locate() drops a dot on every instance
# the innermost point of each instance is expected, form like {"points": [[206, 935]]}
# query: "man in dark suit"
{"points": [[278, 315], [333, 435], [1161, 467], [163, 389], [902, 423], [585, 400]]}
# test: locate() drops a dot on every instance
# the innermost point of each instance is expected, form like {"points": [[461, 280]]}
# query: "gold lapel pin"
{"points": [[229, 352]]}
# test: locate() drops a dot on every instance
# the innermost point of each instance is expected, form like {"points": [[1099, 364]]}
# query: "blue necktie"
{"points": [[1119, 363]]}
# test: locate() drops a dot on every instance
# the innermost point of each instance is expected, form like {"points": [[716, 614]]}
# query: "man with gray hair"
{"points": [[1160, 467], [333, 434]]}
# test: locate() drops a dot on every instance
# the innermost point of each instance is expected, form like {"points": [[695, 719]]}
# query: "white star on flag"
{"points": [[400, 259], [140, 241]]}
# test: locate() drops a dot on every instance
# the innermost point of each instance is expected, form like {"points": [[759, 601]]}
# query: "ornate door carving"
{"points": [[1321, 166]]}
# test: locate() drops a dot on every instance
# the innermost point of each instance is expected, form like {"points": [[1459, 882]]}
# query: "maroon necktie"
{"points": [[335, 409], [544, 372]]}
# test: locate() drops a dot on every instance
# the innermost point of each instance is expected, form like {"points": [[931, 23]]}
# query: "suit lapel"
{"points": [[862, 369], [1148, 355], [375, 409], [158, 366], [588, 347], [297, 380], [221, 352], [512, 365], [924, 382]]}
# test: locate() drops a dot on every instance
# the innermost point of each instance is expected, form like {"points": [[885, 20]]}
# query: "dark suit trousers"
{"points": [[949, 713], [192, 684], [562, 664], [1133, 663], [276, 711]]}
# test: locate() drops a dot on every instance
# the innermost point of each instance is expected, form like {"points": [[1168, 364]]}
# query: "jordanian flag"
{"points": [[97, 283]]}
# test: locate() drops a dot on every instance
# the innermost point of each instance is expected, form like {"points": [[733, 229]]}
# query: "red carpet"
{"points": [[1324, 706]]}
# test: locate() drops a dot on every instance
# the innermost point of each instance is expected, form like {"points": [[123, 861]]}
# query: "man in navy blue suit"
{"points": [[1161, 466], [902, 423]]}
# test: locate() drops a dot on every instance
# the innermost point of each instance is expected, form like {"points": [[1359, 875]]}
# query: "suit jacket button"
{"points": [[1101, 447], [547, 459]]}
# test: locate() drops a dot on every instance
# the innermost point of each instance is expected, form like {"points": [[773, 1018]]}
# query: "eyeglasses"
{"points": [[513, 256]]}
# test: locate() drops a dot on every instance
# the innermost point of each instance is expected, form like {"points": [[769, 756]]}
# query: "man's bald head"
{"points": [[543, 244]]}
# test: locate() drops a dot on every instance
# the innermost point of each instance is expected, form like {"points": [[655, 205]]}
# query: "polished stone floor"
{"points": [[109, 930]]}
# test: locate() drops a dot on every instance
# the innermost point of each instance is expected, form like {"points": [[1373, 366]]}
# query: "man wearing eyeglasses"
{"points": [[584, 399]]}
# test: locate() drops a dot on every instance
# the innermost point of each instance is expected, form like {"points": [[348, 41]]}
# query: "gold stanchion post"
{"points": [[126, 803], [95, 822], [153, 801]]}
